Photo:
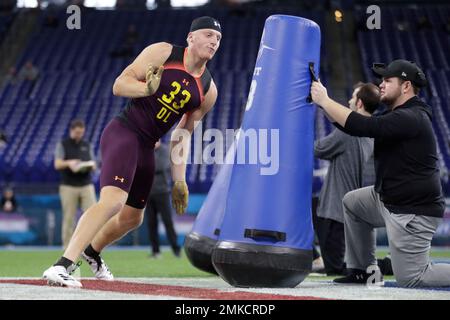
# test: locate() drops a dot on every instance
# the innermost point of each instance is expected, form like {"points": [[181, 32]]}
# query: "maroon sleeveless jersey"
{"points": [[179, 92]]}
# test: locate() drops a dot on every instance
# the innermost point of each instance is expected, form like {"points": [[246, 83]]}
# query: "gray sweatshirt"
{"points": [[351, 167]]}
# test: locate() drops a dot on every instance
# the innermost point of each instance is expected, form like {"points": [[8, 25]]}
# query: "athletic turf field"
{"points": [[140, 277], [130, 263], [123, 263]]}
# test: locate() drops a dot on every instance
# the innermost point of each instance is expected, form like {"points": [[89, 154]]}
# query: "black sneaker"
{"points": [[385, 266], [335, 272], [357, 276]]}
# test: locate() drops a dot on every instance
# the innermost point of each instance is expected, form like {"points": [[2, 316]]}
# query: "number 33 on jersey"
{"points": [[170, 104], [178, 92]]}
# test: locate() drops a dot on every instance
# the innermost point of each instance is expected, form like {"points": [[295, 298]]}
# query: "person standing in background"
{"points": [[351, 167], [75, 160], [159, 202], [8, 201]]}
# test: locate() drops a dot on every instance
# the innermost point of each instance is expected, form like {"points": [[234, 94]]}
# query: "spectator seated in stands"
{"points": [[132, 36], [3, 139], [8, 202], [130, 39], [51, 21], [423, 23], [29, 72], [11, 77]]}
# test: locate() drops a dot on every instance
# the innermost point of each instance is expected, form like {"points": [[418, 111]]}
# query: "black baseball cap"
{"points": [[403, 69], [205, 22]]}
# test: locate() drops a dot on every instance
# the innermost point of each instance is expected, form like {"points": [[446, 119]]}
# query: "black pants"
{"points": [[332, 243], [316, 253], [160, 203]]}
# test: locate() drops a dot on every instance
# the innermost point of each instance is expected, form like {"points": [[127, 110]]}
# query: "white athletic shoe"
{"points": [[58, 276], [98, 267], [317, 265]]}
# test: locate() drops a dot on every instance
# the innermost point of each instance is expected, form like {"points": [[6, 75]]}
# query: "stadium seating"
{"points": [[77, 73]]}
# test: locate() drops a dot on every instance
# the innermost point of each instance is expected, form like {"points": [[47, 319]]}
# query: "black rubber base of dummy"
{"points": [[199, 249], [261, 266]]}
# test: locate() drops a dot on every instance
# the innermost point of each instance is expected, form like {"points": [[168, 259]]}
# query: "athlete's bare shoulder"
{"points": [[157, 53], [154, 55]]}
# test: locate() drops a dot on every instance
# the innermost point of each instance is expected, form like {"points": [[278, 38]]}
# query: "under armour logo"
{"points": [[404, 74], [217, 24], [185, 82], [120, 179]]}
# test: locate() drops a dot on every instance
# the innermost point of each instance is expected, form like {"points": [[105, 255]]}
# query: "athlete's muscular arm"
{"points": [[131, 83], [181, 136], [180, 146]]}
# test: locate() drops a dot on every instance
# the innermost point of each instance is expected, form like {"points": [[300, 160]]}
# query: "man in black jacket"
{"points": [[407, 197]]}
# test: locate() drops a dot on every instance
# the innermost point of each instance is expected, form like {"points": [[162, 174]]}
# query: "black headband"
{"points": [[205, 23]]}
